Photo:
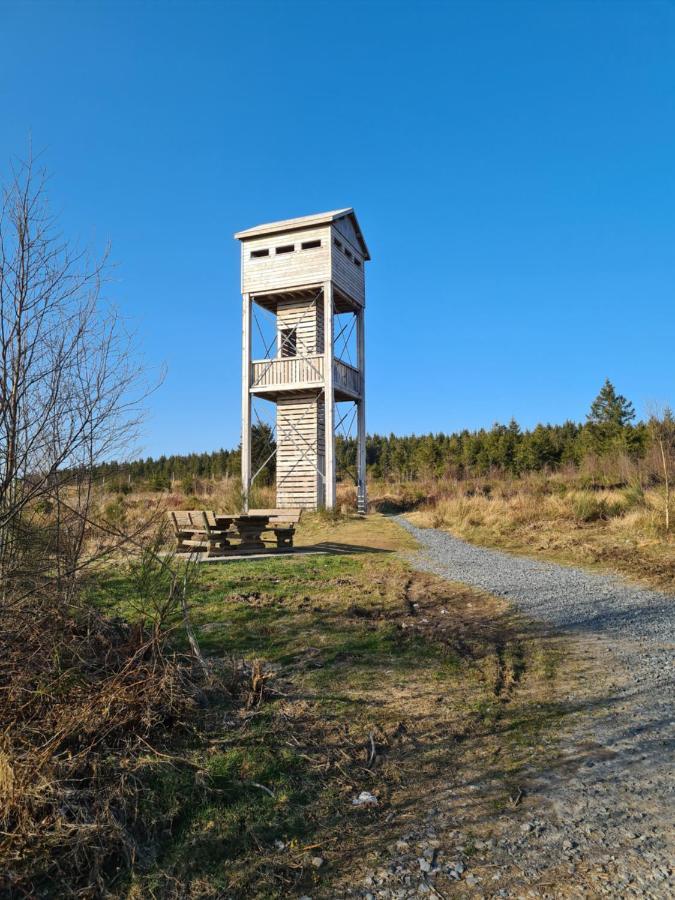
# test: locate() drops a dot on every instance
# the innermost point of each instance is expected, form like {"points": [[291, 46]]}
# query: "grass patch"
{"points": [[370, 677]]}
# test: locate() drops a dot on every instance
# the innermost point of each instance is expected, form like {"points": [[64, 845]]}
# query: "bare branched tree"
{"points": [[70, 391]]}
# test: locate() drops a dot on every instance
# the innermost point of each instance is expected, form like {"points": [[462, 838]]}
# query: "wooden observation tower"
{"points": [[309, 274]]}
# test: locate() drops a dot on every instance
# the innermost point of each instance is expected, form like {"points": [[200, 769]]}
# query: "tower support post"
{"points": [[246, 400], [329, 395], [361, 496]]}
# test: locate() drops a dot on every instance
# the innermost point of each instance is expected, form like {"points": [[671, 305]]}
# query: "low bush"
{"points": [[84, 701]]}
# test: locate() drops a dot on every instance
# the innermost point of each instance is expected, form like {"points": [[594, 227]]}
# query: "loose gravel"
{"points": [[568, 598], [600, 821]]}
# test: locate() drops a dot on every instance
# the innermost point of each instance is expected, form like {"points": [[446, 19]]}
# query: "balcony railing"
{"points": [[287, 373], [346, 377]]}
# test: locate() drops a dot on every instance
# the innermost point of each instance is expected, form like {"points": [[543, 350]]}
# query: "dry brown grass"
{"points": [[594, 516], [85, 704], [618, 529], [142, 510]]}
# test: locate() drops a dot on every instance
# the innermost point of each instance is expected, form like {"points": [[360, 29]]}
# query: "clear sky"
{"points": [[512, 166]]}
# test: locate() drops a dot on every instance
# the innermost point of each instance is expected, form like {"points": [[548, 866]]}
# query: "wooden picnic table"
{"points": [[249, 528], [215, 532]]}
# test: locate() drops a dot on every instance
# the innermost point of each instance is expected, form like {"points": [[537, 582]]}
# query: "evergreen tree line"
{"points": [[610, 428]]}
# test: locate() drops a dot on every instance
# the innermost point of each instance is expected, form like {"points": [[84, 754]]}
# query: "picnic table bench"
{"points": [[258, 531]]}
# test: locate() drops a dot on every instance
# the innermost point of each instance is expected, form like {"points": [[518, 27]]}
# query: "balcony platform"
{"points": [[271, 377]]}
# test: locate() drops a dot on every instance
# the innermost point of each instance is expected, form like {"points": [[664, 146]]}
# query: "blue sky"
{"points": [[512, 166]]}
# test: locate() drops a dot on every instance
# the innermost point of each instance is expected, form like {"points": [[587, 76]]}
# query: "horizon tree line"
{"points": [[610, 429]]}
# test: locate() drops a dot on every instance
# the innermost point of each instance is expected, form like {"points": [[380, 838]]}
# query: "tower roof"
{"points": [[324, 218]]}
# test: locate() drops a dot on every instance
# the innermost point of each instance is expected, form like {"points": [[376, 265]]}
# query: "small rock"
{"points": [[425, 865], [318, 861], [365, 798]]}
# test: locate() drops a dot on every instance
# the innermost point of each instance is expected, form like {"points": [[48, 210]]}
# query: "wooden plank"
{"points": [[246, 398], [297, 452], [349, 277], [361, 499], [278, 271], [329, 397]]}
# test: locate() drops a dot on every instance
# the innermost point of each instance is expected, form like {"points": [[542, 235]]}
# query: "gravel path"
{"points": [[567, 598], [601, 820]]}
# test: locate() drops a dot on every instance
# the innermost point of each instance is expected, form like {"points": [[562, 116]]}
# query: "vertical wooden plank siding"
{"points": [[346, 377], [329, 395], [296, 371], [246, 397]]}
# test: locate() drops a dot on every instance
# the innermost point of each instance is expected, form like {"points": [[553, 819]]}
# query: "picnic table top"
{"points": [[257, 518], [236, 517]]}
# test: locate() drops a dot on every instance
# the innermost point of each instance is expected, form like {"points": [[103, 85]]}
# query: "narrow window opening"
{"points": [[357, 262], [288, 342], [310, 245], [348, 253], [287, 248], [337, 243], [255, 254]]}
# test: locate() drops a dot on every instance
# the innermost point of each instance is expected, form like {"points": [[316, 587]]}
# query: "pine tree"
{"points": [[608, 421], [610, 408]]}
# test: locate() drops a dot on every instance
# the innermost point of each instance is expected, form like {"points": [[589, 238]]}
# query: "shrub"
{"points": [[187, 485], [160, 482], [634, 497], [588, 508], [115, 512]]}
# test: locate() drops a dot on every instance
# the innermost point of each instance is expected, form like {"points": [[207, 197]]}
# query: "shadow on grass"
{"points": [[332, 548]]}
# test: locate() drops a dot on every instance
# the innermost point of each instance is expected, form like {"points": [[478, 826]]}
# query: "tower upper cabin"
{"points": [[297, 253]]}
